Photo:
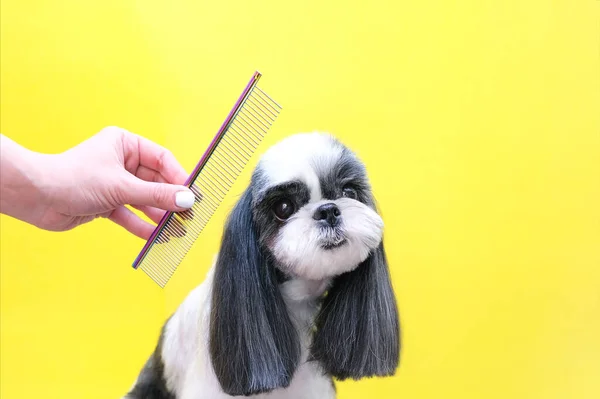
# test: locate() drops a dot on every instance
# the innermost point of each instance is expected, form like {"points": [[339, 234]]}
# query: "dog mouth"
{"points": [[332, 245], [332, 238]]}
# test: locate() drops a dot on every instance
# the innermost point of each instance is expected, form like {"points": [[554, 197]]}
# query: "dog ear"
{"points": [[254, 347], [358, 327]]}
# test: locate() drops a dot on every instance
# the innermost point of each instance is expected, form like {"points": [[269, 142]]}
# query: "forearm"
{"points": [[21, 175]]}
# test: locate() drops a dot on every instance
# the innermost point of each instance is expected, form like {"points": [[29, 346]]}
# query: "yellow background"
{"points": [[479, 122]]}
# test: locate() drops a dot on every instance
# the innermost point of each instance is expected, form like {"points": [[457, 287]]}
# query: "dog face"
{"points": [[312, 206], [309, 213]]}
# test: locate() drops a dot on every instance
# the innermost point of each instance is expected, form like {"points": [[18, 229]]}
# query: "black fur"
{"points": [[357, 330], [151, 382], [254, 347], [348, 171]]}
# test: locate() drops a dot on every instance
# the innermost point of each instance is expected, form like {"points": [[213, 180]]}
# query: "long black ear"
{"points": [[254, 347], [358, 328]]}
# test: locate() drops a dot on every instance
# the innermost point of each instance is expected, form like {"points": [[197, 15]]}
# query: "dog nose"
{"points": [[328, 212]]}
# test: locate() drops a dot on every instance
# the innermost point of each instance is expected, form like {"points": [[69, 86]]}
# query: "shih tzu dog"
{"points": [[299, 294]]}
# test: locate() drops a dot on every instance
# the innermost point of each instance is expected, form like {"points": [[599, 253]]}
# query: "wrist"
{"points": [[24, 183]]}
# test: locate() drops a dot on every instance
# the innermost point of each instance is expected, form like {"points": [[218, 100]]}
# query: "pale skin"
{"points": [[99, 177]]}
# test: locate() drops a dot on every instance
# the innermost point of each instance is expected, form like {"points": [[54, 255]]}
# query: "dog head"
{"points": [[308, 213], [313, 209]]}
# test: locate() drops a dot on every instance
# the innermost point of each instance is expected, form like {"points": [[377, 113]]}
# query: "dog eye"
{"points": [[284, 209], [349, 192]]}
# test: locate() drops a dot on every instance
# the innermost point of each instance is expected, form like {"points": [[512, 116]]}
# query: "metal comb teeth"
{"points": [[237, 139]]}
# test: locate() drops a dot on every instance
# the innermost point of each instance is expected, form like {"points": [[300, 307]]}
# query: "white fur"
{"points": [[185, 352], [296, 158], [361, 226], [299, 157]]}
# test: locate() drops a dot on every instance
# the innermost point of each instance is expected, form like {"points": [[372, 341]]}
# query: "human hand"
{"points": [[98, 178]]}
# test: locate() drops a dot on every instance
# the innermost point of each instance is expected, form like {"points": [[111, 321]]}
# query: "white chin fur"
{"points": [[298, 246]]}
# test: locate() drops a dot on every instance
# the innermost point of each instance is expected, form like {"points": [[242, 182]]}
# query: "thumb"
{"points": [[169, 197]]}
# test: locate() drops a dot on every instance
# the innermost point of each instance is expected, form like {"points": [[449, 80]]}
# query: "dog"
{"points": [[300, 291]]}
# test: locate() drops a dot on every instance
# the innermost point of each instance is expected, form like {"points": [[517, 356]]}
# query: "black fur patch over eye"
{"points": [[270, 211], [347, 178]]}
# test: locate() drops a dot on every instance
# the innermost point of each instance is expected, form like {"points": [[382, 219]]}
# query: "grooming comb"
{"points": [[240, 134]]}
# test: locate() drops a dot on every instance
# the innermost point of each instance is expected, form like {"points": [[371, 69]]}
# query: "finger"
{"points": [[154, 214], [158, 195], [148, 174], [158, 158], [131, 222]]}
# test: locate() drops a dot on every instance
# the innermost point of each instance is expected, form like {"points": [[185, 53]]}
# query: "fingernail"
{"points": [[184, 199]]}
